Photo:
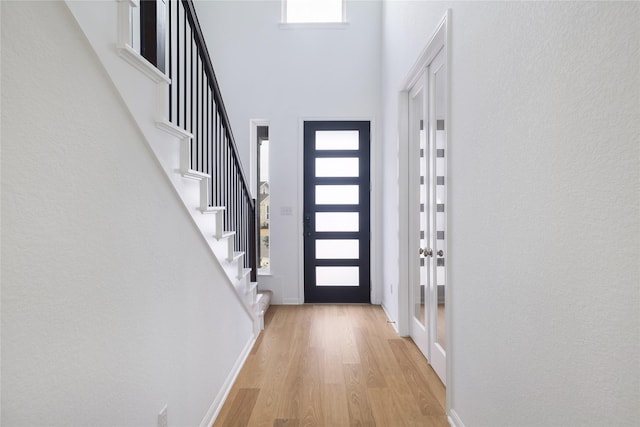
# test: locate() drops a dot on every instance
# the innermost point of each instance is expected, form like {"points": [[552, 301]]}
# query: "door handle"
{"points": [[426, 252], [440, 253]]}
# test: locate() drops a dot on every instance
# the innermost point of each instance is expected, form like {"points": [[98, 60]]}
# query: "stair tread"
{"points": [[237, 255], [195, 174], [225, 235], [213, 209]]}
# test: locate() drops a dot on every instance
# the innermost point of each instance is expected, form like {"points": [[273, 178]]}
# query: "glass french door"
{"points": [[336, 211], [427, 116]]}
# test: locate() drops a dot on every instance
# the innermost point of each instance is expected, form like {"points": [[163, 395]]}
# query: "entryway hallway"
{"points": [[333, 365]]}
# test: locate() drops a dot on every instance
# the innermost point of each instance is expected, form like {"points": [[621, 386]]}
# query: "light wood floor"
{"points": [[333, 365]]}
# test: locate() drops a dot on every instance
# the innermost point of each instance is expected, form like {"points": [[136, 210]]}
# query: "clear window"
{"points": [[313, 11], [263, 196]]}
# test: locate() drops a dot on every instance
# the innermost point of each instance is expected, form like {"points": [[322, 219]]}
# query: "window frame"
{"points": [[255, 188], [284, 23]]}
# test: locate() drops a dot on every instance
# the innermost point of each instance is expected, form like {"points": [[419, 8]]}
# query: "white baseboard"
{"points": [[391, 321], [454, 419], [291, 301], [216, 406]]}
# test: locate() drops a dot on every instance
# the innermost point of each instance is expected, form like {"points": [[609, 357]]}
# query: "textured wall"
{"points": [[112, 303], [284, 75], [544, 196]]}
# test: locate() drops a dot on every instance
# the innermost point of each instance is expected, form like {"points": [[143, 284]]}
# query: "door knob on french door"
{"points": [[440, 253], [426, 252]]}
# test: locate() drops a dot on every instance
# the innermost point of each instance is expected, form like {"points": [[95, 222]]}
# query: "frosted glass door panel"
{"points": [[327, 167], [338, 249], [337, 140], [419, 134], [337, 276], [337, 221], [439, 137], [337, 195]]}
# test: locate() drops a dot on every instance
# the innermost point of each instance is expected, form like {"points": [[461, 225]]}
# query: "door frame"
{"points": [[375, 268], [440, 40]]}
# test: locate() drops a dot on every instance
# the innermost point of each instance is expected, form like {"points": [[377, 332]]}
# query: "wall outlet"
{"points": [[162, 418]]}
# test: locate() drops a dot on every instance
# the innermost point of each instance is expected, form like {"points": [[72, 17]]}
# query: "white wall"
{"points": [[112, 303], [544, 196], [284, 75]]}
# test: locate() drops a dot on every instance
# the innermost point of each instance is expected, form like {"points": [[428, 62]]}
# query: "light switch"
{"points": [[286, 211]]}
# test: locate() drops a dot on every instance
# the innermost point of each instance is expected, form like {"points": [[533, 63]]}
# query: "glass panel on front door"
{"points": [[336, 211]]}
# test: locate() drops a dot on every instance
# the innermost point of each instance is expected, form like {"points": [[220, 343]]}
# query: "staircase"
{"points": [[155, 54]]}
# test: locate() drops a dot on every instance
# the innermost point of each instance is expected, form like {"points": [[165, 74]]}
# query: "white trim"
{"points": [[454, 419], [375, 186], [313, 25], [404, 317], [300, 184], [139, 62], [446, 22], [390, 321], [174, 130], [374, 170], [419, 94], [436, 42], [292, 301], [253, 149], [198, 176], [126, 39], [124, 22], [133, 3], [253, 177], [216, 405]]}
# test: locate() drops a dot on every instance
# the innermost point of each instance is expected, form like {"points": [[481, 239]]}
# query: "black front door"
{"points": [[336, 211]]}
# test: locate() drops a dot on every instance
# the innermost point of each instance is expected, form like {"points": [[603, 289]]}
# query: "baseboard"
{"points": [[291, 301], [216, 406], [454, 419], [390, 321]]}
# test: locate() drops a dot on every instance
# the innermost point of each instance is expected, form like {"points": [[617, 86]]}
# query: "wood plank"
{"points": [[241, 408], [290, 402], [374, 377], [386, 410], [276, 348], [419, 387], [434, 382], [332, 346], [360, 412], [312, 398], [335, 407], [347, 319]]}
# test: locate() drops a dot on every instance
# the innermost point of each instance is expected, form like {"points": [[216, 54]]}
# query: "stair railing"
{"points": [[196, 105]]}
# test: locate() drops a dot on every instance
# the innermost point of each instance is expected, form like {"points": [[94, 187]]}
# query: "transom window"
{"points": [[313, 11]]}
